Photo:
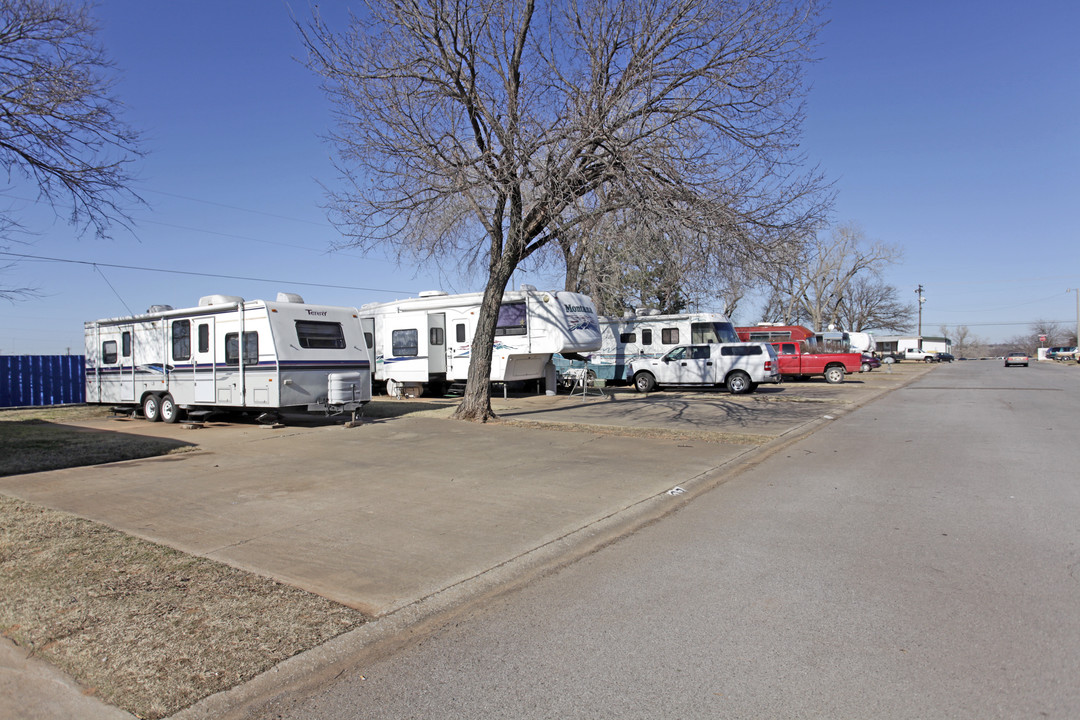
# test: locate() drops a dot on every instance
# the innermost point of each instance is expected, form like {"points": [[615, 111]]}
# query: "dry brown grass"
{"points": [[142, 626], [33, 445]]}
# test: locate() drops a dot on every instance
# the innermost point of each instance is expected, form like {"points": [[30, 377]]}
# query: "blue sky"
{"points": [[950, 128]]}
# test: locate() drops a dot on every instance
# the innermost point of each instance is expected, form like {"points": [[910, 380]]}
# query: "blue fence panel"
{"points": [[42, 380]]}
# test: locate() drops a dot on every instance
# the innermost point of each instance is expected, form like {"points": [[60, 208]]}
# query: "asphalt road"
{"points": [[917, 558]]}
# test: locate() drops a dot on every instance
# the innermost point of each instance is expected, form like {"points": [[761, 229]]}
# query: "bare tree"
{"points": [[813, 285], [492, 129], [872, 304], [629, 261], [964, 343], [1030, 342], [59, 127]]}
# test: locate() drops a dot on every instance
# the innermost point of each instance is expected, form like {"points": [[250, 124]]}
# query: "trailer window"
{"points": [[669, 336], [108, 352], [511, 319], [181, 340], [125, 344], [769, 336], [251, 348], [313, 334], [626, 338], [369, 340], [436, 336], [712, 332], [460, 332], [204, 337], [405, 343], [646, 337]]}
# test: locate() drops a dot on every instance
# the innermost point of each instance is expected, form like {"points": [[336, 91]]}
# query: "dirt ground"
{"points": [[144, 627]]}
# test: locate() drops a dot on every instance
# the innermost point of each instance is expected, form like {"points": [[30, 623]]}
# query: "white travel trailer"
{"points": [[230, 354], [650, 334], [427, 340]]}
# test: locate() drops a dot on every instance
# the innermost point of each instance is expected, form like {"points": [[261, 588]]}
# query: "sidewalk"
{"points": [[401, 515]]}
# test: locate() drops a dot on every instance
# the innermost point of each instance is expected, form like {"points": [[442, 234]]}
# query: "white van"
{"points": [[740, 367]]}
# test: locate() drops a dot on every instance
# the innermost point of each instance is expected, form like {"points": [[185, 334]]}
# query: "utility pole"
{"points": [[1077, 291], [918, 291]]}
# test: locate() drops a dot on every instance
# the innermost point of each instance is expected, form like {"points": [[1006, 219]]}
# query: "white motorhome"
{"points": [[427, 340], [648, 334], [228, 353]]}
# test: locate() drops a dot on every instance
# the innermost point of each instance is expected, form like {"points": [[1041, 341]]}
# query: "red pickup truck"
{"points": [[796, 360]]}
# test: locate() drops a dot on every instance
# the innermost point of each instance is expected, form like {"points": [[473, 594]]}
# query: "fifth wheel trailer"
{"points": [[229, 353], [426, 341]]}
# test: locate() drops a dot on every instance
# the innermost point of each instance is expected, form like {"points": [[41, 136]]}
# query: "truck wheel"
{"points": [[738, 383], [834, 374], [151, 408], [644, 382], [168, 410]]}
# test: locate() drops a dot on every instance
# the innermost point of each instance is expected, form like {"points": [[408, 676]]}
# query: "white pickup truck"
{"points": [[924, 355], [740, 367]]}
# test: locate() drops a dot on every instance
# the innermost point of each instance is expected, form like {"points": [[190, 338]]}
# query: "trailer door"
{"points": [[203, 365], [437, 343], [127, 364], [404, 347]]}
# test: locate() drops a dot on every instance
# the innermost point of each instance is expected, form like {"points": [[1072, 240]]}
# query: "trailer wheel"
{"points": [[738, 383], [151, 408], [644, 382], [834, 374], [168, 410]]}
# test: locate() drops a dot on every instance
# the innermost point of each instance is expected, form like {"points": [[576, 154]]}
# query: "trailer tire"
{"points": [[151, 408], [738, 383], [168, 411], [644, 382], [834, 374]]}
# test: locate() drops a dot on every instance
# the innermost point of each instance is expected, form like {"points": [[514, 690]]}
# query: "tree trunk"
{"points": [[476, 403]]}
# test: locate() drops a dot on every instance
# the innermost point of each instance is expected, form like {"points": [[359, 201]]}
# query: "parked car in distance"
{"points": [[1061, 353], [1016, 358], [869, 362], [945, 357], [924, 355]]}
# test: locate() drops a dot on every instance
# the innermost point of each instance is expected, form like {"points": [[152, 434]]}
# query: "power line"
{"points": [[238, 208], [96, 267], [984, 324], [144, 221], [203, 274]]}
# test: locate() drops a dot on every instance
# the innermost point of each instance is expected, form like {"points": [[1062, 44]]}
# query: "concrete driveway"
{"points": [[382, 515]]}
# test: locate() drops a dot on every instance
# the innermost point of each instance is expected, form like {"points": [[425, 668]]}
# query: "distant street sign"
{"points": [[1042, 338]]}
